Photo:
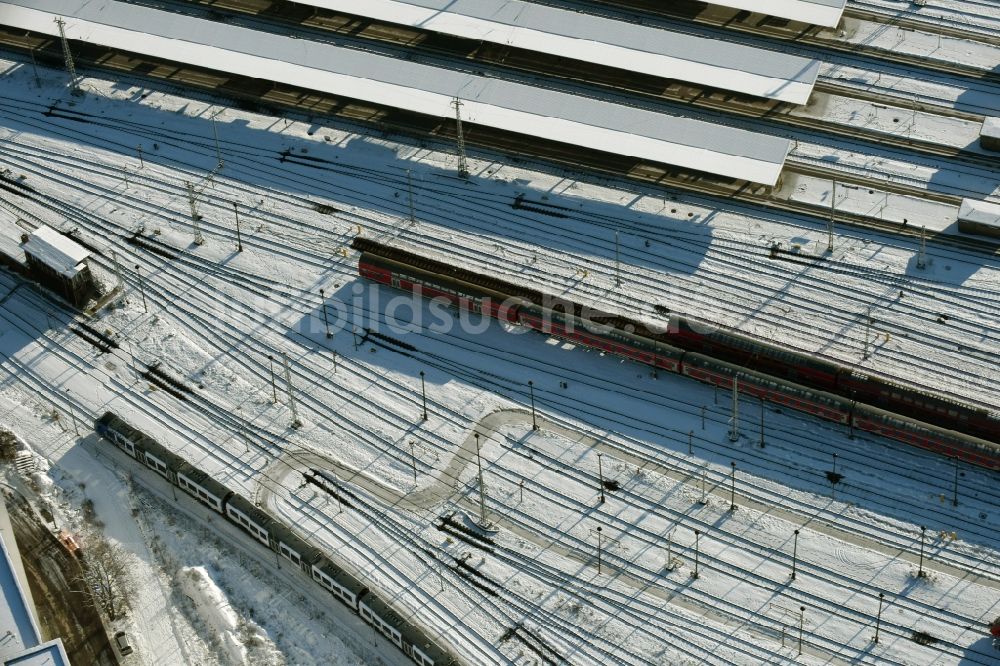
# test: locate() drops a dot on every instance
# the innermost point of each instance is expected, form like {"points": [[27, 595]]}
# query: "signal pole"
{"points": [[618, 263], [239, 239], [833, 212], [922, 257], [142, 290], [296, 423], [482, 490], [67, 55], [198, 238], [734, 431], [409, 188], [463, 165]]}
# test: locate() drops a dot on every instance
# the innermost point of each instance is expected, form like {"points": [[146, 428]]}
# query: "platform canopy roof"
{"points": [[593, 39], [514, 107], [980, 212], [56, 251], [826, 13]]}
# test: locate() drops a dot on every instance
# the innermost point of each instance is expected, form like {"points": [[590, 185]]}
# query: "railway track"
{"points": [[737, 258], [307, 378], [935, 18]]}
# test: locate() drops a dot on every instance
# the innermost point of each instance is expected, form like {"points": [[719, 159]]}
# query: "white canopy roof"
{"points": [[603, 41], [980, 212], [514, 107], [817, 12]]}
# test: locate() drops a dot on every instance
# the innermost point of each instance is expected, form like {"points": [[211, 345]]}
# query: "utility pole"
{"points": [[531, 392], [795, 553], [954, 494], [274, 390], [34, 67], [195, 217], [704, 473], [868, 330], [600, 472], [409, 188], [142, 290], [694, 574], [482, 490], [239, 239], [142, 165], [72, 414], [118, 271], [802, 621], [618, 263], [734, 431], [690, 442], [326, 319], [68, 56], [599, 547], [218, 153], [703, 408], [423, 393], [463, 165], [762, 422], [670, 551], [878, 618], [413, 461], [732, 487], [920, 570], [296, 423], [833, 212], [922, 257]]}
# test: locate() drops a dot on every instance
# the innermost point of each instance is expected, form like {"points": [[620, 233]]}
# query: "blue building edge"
{"points": [[20, 639]]}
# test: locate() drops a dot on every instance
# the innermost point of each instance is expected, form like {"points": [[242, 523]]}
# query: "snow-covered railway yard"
{"points": [[627, 528]]}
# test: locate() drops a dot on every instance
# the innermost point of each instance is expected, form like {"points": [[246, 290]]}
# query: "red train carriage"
{"points": [[781, 376]]}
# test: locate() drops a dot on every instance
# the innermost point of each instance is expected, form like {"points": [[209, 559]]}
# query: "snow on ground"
{"points": [[212, 316], [711, 268]]}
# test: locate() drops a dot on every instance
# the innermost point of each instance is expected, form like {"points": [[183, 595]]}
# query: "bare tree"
{"points": [[107, 574]]}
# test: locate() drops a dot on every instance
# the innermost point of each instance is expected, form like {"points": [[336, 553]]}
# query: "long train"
{"points": [[799, 381], [275, 536]]}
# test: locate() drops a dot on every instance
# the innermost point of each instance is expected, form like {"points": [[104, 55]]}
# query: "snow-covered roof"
{"points": [[991, 127], [56, 251], [514, 107], [980, 212], [15, 616], [817, 12], [595, 39], [51, 653]]}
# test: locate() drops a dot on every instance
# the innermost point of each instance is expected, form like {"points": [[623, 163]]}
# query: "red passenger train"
{"points": [[799, 381]]}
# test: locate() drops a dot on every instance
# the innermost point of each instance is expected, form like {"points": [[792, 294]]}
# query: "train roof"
{"points": [[281, 532], [342, 577], [595, 39], [143, 441], [507, 106], [203, 479], [251, 511]]}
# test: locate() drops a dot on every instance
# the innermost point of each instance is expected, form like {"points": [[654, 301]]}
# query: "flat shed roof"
{"points": [[56, 251], [816, 12], [514, 107], [594, 39]]}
